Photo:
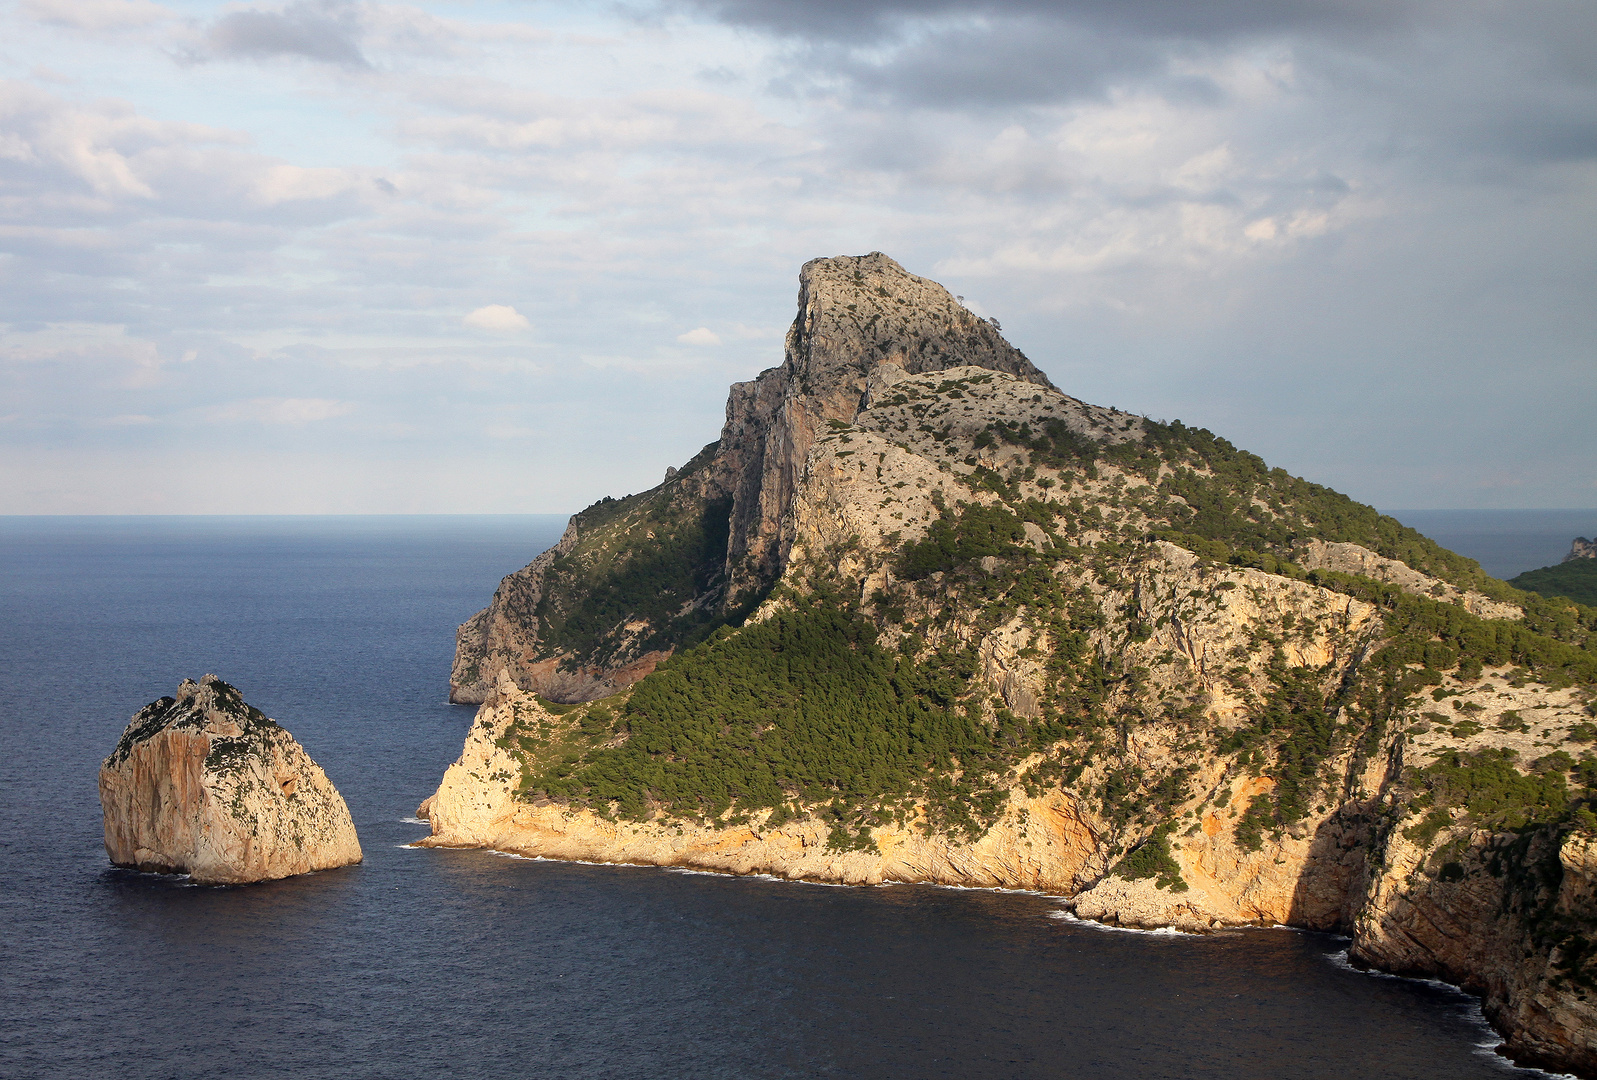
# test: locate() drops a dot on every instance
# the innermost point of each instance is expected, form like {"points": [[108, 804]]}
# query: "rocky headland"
{"points": [[920, 616], [1575, 578], [206, 785]]}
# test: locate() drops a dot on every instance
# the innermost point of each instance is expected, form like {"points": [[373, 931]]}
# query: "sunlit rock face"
{"points": [[206, 785]]}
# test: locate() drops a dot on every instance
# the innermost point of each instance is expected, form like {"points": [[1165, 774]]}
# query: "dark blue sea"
{"points": [[470, 965]]}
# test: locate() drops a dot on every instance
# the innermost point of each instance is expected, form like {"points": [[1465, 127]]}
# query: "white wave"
{"points": [[979, 888], [414, 821], [1161, 931], [1469, 1004]]}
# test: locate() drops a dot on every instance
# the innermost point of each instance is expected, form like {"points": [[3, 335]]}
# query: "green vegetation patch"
{"points": [[1153, 859], [1294, 729], [658, 559], [959, 537], [804, 706], [1575, 580], [1555, 640], [1493, 791]]}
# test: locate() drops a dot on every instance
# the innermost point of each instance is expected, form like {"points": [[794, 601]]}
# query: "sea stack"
{"points": [[206, 785]]}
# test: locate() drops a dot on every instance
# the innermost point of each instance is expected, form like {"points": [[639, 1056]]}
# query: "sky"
{"points": [[505, 257]]}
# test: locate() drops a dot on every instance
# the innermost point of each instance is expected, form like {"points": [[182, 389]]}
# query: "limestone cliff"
{"points": [[1581, 548], [708, 540], [1000, 636], [205, 785]]}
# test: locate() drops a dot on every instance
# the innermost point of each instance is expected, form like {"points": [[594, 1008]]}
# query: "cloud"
{"points": [[1237, 213], [277, 411], [326, 31], [498, 318], [97, 15], [701, 336], [872, 20]]}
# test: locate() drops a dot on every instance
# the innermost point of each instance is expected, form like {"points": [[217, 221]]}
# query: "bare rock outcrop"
{"points": [[1353, 559], [206, 785], [1581, 548]]}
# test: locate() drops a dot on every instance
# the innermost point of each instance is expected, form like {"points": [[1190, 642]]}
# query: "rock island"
{"points": [[206, 785]]}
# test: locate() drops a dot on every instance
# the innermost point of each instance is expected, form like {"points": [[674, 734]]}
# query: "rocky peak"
{"points": [[1582, 548], [710, 539], [855, 314]]}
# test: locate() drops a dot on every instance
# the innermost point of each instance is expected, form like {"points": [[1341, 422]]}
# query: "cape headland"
{"points": [[919, 616], [206, 785], [1575, 578]]}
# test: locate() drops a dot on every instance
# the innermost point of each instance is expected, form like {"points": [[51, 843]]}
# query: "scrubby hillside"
{"points": [[1004, 637], [1573, 579]]}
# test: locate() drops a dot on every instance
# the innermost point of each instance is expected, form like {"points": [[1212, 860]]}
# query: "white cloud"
{"points": [[701, 336], [499, 318], [278, 412]]}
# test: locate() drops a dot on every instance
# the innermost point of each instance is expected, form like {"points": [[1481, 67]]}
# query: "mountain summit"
{"points": [[633, 578], [920, 616]]}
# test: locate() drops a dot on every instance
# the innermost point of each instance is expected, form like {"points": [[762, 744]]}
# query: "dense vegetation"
{"points": [[804, 705], [1153, 859], [963, 537], [1443, 637], [657, 558], [1575, 580]]}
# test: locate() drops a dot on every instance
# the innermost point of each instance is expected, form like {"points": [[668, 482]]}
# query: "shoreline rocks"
{"points": [[204, 784]]}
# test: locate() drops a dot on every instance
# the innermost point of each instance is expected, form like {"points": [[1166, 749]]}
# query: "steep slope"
{"points": [[1016, 639], [633, 579]]}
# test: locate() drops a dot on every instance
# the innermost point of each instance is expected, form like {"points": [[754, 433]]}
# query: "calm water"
{"points": [[1504, 542], [466, 964]]}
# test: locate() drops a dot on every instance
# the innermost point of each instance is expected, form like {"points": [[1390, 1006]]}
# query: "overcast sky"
{"points": [[505, 257]]}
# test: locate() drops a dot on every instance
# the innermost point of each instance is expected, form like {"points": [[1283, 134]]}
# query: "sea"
{"points": [[470, 964]]}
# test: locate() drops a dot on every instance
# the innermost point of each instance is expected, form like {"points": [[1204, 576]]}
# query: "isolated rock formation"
{"points": [[205, 785], [919, 616], [1582, 548]]}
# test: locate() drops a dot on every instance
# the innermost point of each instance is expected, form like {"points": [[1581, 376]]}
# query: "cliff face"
{"points": [[721, 515], [205, 785], [1019, 640]]}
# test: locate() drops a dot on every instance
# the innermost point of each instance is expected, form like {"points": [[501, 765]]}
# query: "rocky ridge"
{"points": [[206, 785], [1097, 655]]}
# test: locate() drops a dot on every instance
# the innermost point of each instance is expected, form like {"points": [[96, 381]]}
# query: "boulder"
{"points": [[206, 785]]}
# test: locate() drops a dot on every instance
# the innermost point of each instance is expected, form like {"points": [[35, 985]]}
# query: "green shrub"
{"points": [[1153, 859]]}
